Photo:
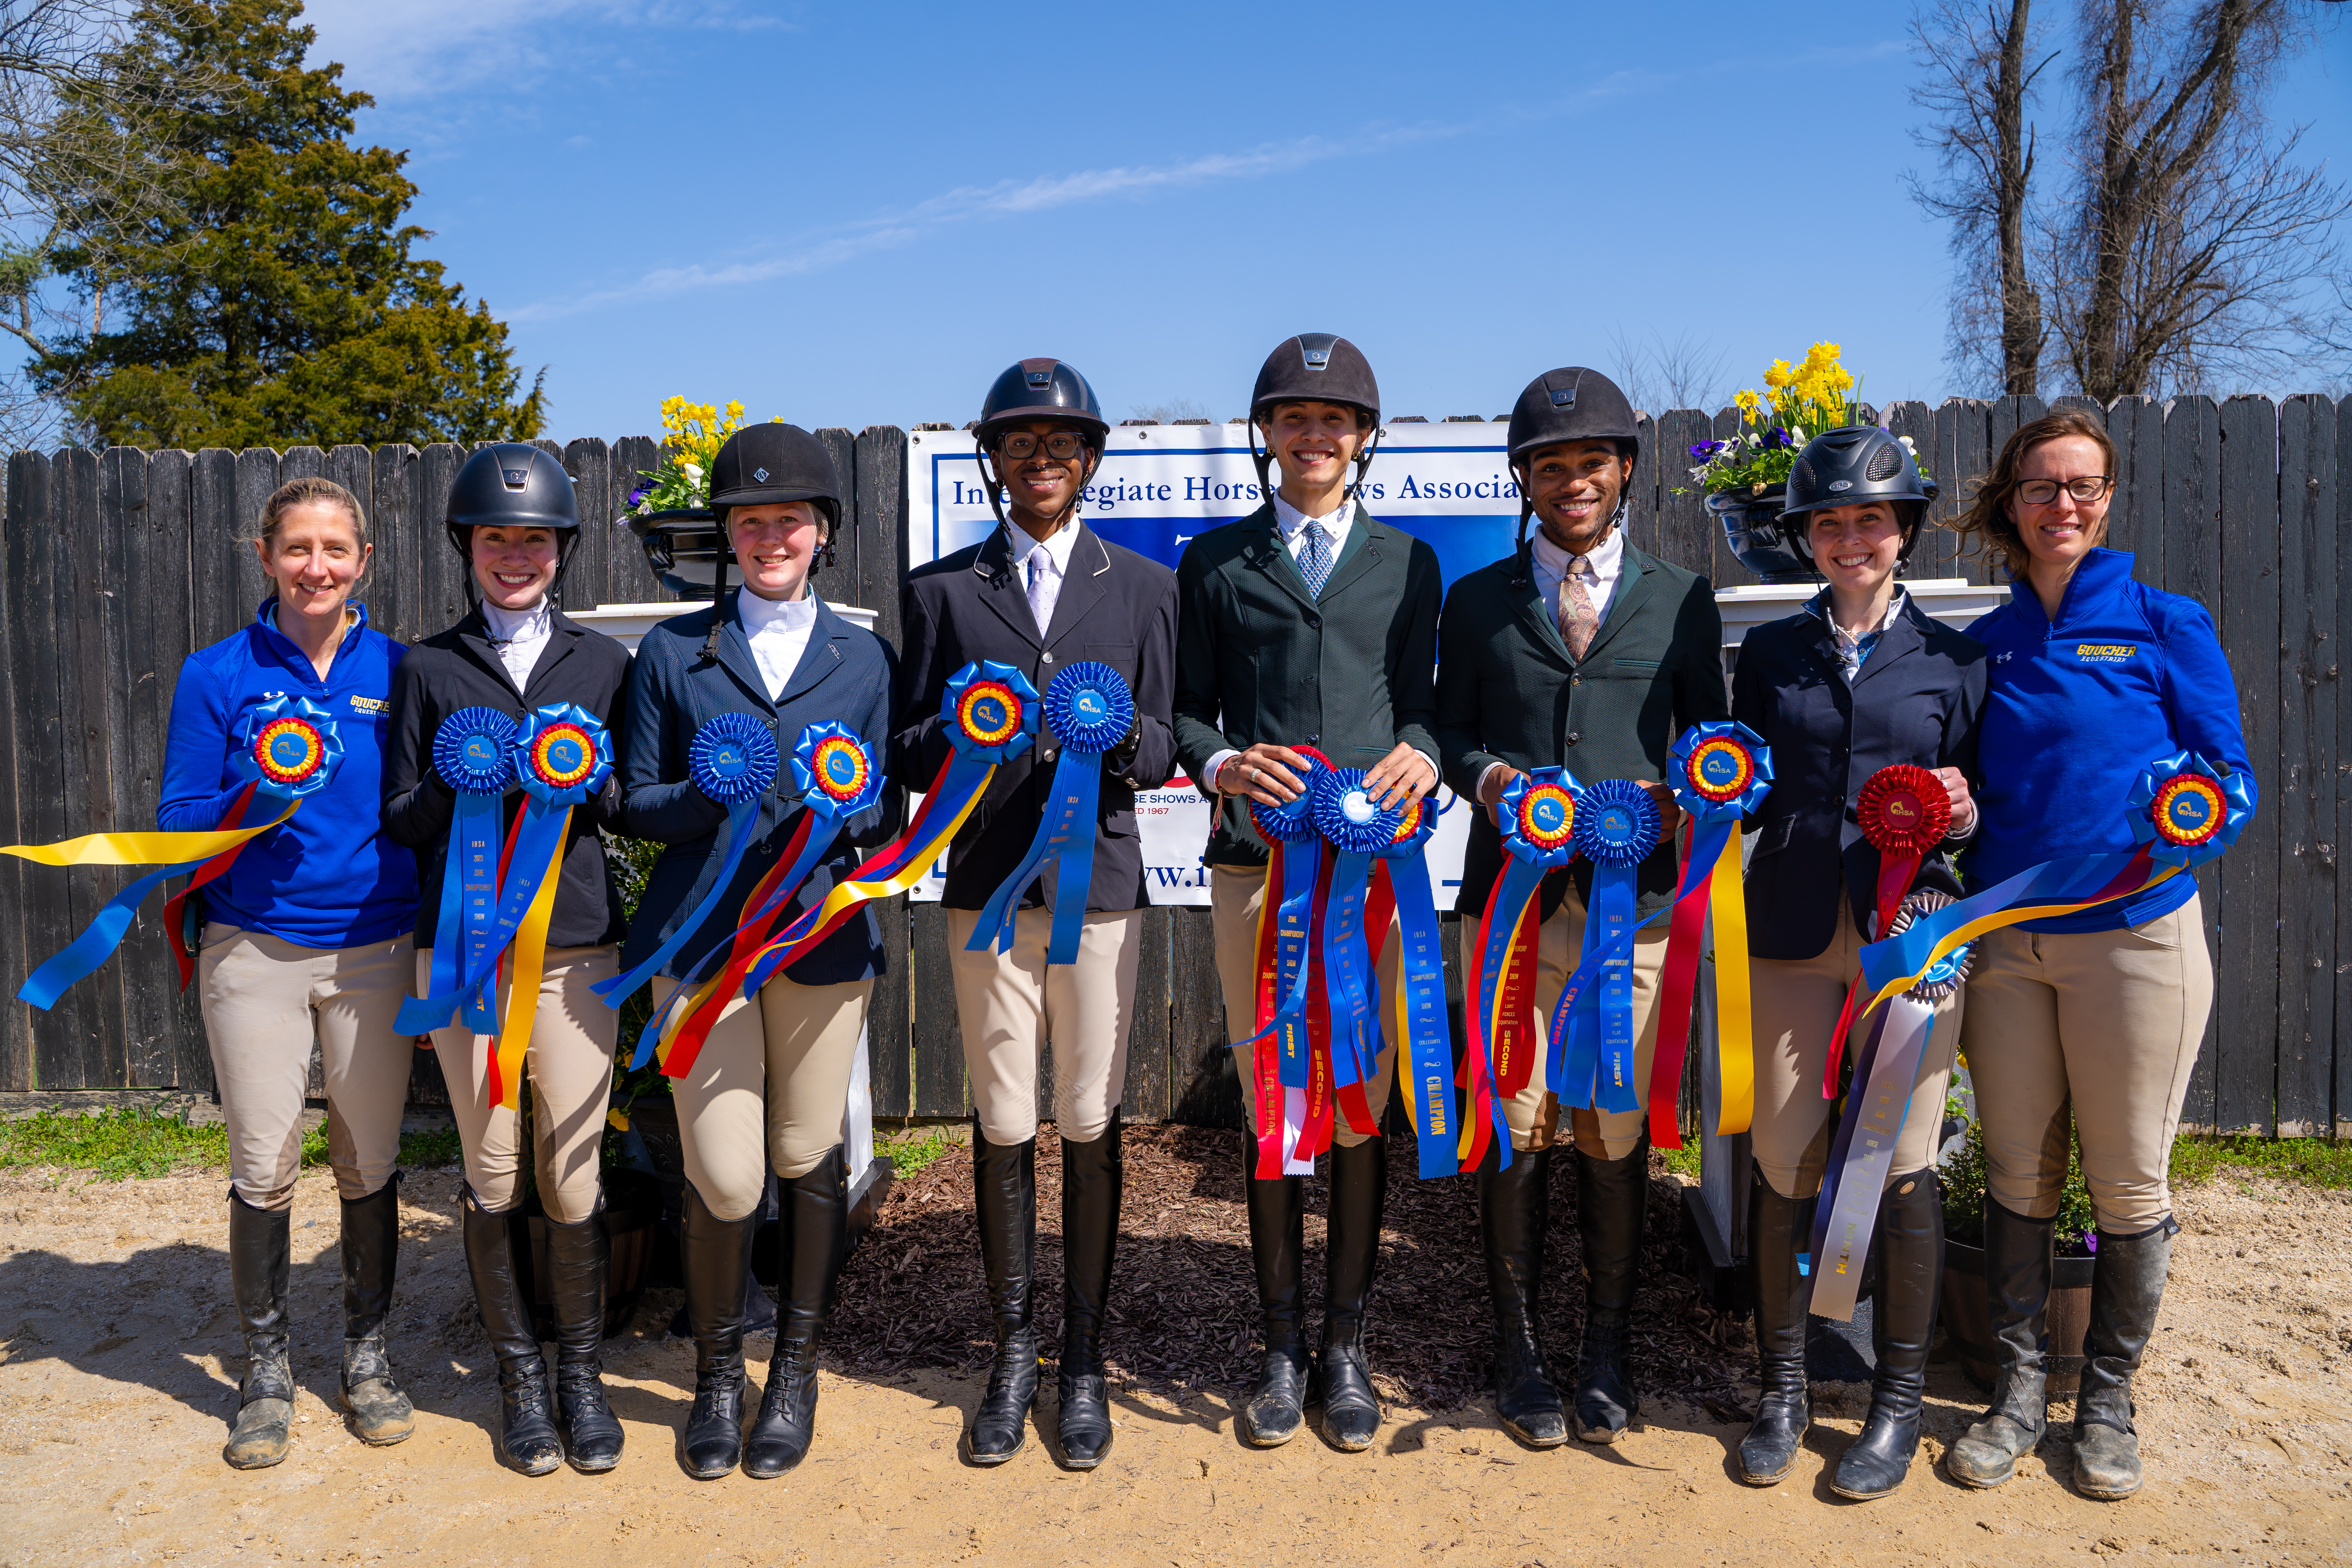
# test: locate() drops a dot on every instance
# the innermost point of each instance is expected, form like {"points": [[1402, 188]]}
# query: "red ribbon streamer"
{"points": [[1676, 983], [172, 920]]}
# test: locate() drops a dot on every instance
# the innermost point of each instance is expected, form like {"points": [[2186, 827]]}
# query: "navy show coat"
{"points": [[1919, 698], [846, 675]]}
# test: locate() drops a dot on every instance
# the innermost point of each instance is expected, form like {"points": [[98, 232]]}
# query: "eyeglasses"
{"points": [[1063, 445], [2082, 487]]}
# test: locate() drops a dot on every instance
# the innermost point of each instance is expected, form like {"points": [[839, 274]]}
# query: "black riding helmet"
{"points": [[1039, 389], [1856, 463], [1315, 367], [1571, 404], [512, 486]]}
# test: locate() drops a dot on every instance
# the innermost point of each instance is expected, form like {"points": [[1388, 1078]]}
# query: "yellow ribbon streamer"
{"points": [[846, 894], [141, 848], [1734, 1027], [2017, 914], [529, 959]]}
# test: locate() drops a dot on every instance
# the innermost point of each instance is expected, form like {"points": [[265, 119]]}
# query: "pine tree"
{"points": [[280, 302]]}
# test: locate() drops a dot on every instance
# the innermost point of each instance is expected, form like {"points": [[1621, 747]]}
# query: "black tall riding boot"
{"points": [[1272, 1413], [1612, 1196], [2017, 1281], [1094, 1176], [817, 1205], [578, 1260], [1778, 1228], [527, 1440], [718, 1259], [380, 1412], [1910, 1243], [2126, 1289], [1005, 1188], [257, 1261], [1513, 1216], [1360, 1189]]}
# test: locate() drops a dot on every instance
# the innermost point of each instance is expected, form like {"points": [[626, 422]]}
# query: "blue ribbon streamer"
{"points": [[470, 753], [1358, 827], [1089, 709], [1617, 827], [1293, 824], [1426, 1039]]}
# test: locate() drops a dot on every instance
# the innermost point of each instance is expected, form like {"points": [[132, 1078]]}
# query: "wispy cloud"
{"points": [[409, 49]]}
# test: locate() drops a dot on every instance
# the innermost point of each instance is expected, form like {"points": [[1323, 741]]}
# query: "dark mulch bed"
{"points": [[1185, 1305]]}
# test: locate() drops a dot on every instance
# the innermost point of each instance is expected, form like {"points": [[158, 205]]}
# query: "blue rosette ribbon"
{"points": [[286, 749], [732, 759], [1720, 773], [1358, 827], [470, 753], [1089, 709], [1424, 1038], [1592, 1059], [1537, 820]]}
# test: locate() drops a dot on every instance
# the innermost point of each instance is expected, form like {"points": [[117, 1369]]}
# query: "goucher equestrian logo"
{"points": [[2105, 652], [370, 704]]}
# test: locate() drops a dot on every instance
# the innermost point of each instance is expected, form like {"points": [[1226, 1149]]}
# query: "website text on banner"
{"points": [[1157, 486]]}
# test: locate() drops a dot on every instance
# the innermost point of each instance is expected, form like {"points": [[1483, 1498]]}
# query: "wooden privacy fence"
{"points": [[115, 564]]}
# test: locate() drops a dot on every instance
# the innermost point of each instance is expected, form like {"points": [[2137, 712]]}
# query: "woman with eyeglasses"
{"points": [[2097, 1014]]}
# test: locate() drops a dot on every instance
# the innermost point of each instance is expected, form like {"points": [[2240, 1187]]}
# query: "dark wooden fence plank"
{"points": [[1145, 1093], [2192, 567], [629, 580], [2136, 514], [2341, 1098], [88, 709], [938, 1076], [29, 668], [1685, 528], [218, 608], [1203, 1087], [1642, 490], [2307, 747], [889, 1051], [2246, 996], [442, 597], [1932, 556], [402, 542], [168, 546], [143, 655], [257, 475], [881, 469], [590, 464]]}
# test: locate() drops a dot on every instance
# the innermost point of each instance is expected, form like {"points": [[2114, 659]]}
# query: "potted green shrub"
{"points": [[1967, 1315]]}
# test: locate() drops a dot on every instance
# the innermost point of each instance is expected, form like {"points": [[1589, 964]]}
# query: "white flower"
{"points": [[691, 470], [1907, 445]]}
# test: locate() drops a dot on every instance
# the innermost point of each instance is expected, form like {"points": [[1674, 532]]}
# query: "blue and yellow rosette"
{"points": [[1424, 1039], [732, 759], [1537, 819], [1720, 772], [2183, 812], [286, 749], [1282, 1053], [836, 777], [1592, 1045], [989, 713], [471, 754], [1358, 827], [1089, 710]]}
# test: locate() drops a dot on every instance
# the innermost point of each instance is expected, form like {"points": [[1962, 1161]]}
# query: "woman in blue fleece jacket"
{"points": [[2083, 1027], [303, 940]]}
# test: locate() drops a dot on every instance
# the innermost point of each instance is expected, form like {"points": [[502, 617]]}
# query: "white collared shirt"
{"points": [[520, 636], [778, 631], [1053, 553], [1607, 559]]}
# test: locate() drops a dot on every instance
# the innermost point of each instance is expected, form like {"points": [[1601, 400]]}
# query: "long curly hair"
{"points": [[1986, 524]]}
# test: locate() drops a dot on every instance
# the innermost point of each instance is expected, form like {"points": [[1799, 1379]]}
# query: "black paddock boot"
{"points": [[1513, 1216], [1360, 1190], [527, 1441], [380, 1412], [1778, 1228], [259, 1242], [1094, 1176], [2126, 1289], [1902, 1321], [1274, 1411], [1611, 1197], [718, 1259], [818, 1207], [578, 1257], [2017, 1279], [1004, 1186]]}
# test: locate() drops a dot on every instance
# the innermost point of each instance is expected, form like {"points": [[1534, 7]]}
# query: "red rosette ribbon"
{"points": [[1905, 812]]}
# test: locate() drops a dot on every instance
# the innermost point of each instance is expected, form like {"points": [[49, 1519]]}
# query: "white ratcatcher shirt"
{"points": [[778, 631], [520, 636]]}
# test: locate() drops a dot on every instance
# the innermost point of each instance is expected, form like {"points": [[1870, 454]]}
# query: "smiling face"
{"points": [[1313, 442], [1856, 547], [514, 567], [774, 545], [1574, 486], [1041, 485], [2060, 532], [314, 558]]}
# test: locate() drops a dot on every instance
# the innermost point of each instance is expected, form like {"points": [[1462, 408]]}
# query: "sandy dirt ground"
{"points": [[119, 1354]]}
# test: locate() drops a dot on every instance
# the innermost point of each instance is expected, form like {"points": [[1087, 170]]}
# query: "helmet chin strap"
{"points": [[1264, 462], [1526, 573]]}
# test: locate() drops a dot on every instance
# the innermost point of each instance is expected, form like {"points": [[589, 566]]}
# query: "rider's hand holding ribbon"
{"points": [[1296, 870], [286, 749], [1721, 772], [1090, 711], [1537, 818]]}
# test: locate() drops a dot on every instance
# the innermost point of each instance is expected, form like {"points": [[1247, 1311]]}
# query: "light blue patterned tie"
{"points": [[1315, 564]]}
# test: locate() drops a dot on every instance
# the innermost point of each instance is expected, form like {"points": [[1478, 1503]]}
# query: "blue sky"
{"points": [[858, 214]]}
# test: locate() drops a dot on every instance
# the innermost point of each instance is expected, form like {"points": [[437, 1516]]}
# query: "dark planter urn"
{"points": [[1967, 1316], [1751, 526], [682, 547]]}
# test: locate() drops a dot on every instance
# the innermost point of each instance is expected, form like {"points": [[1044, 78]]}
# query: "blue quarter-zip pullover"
{"points": [[2076, 708], [328, 877]]}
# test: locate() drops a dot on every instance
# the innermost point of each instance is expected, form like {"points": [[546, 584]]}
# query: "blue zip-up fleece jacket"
{"points": [[329, 877], [2074, 709]]}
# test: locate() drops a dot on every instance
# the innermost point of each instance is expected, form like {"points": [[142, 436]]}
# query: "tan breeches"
{"points": [[1235, 893], [569, 1063], [1795, 1005], [1534, 1112], [2106, 1023], [265, 1002], [1015, 1007], [769, 1085]]}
